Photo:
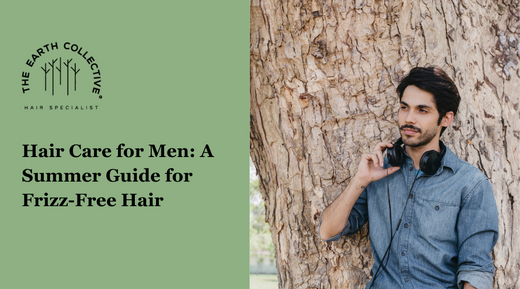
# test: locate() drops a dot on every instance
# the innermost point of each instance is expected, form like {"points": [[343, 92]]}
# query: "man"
{"points": [[431, 226]]}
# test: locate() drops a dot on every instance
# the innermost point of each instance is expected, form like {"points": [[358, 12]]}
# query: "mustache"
{"points": [[409, 126]]}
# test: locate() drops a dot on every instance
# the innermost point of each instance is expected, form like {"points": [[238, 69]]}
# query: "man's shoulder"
{"points": [[471, 179], [462, 168]]}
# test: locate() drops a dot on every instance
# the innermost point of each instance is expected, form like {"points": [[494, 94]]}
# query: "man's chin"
{"points": [[411, 141]]}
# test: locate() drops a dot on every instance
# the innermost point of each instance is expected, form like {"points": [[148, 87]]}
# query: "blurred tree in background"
{"points": [[261, 246]]}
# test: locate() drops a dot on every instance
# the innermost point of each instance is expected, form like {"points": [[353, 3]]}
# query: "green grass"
{"points": [[263, 281]]}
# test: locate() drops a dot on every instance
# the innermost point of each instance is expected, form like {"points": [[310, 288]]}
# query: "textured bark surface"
{"points": [[323, 79]]}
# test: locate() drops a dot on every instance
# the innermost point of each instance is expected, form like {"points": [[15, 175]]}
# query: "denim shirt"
{"points": [[447, 232]]}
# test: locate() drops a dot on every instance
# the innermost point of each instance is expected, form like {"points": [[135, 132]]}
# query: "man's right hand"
{"points": [[370, 168]]}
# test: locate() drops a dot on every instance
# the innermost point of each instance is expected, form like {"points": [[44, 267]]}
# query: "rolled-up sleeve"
{"points": [[477, 230], [357, 218]]}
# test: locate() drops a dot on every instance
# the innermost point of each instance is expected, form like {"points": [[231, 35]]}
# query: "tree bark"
{"points": [[323, 79]]}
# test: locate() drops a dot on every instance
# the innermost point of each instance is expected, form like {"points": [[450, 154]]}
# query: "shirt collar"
{"points": [[450, 160]]}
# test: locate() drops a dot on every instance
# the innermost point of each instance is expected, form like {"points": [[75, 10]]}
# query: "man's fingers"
{"points": [[375, 158], [380, 157], [384, 144], [371, 157], [377, 155], [380, 148], [392, 170]]}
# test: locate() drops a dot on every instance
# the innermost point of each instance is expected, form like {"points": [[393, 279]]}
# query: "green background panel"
{"points": [[173, 73]]}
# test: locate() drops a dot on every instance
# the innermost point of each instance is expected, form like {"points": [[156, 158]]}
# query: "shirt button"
{"points": [[437, 208], [406, 280], [403, 253], [411, 169], [406, 225], [410, 196]]}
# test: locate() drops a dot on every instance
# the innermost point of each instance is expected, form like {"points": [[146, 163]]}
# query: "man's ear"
{"points": [[447, 119]]}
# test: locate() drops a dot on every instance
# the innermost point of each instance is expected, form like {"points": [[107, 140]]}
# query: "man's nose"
{"points": [[410, 117]]}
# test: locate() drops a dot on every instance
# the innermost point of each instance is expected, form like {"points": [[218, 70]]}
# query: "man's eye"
{"points": [[403, 107], [423, 111]]}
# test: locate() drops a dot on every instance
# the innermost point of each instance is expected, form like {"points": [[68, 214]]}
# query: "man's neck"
{"points": [[416, 152]]}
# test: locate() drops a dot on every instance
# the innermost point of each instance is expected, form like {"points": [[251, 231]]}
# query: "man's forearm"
{"points": [[335, 216]]}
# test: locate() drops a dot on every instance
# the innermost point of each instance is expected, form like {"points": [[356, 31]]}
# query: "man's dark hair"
{"points": [[435, 81]]}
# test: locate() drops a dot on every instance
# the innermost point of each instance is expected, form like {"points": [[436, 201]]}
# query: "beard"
{"points": [[420, 140]]}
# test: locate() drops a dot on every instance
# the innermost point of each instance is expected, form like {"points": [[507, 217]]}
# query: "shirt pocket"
{"points": [[437, 223]]}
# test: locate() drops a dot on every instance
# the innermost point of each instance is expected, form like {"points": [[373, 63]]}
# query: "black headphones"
{"points": [[430, 161]]}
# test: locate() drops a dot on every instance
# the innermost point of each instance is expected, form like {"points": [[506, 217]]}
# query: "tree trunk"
{"points": [[323, 79]]}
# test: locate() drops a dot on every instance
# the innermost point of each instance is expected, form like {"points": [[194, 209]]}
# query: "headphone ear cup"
{"points": [[395, 155], [430, 162]]}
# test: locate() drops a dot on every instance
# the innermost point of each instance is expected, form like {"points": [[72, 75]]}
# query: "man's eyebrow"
{"points": [[424, 106], [419, 106]]}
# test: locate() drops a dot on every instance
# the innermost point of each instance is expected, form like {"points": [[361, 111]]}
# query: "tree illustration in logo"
{"points": [[52, 65], [67, 65], [59, 69], [57, 66], [75, 72]]}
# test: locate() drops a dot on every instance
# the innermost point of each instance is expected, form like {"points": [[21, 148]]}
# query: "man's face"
{"points": [[418, 117]]}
